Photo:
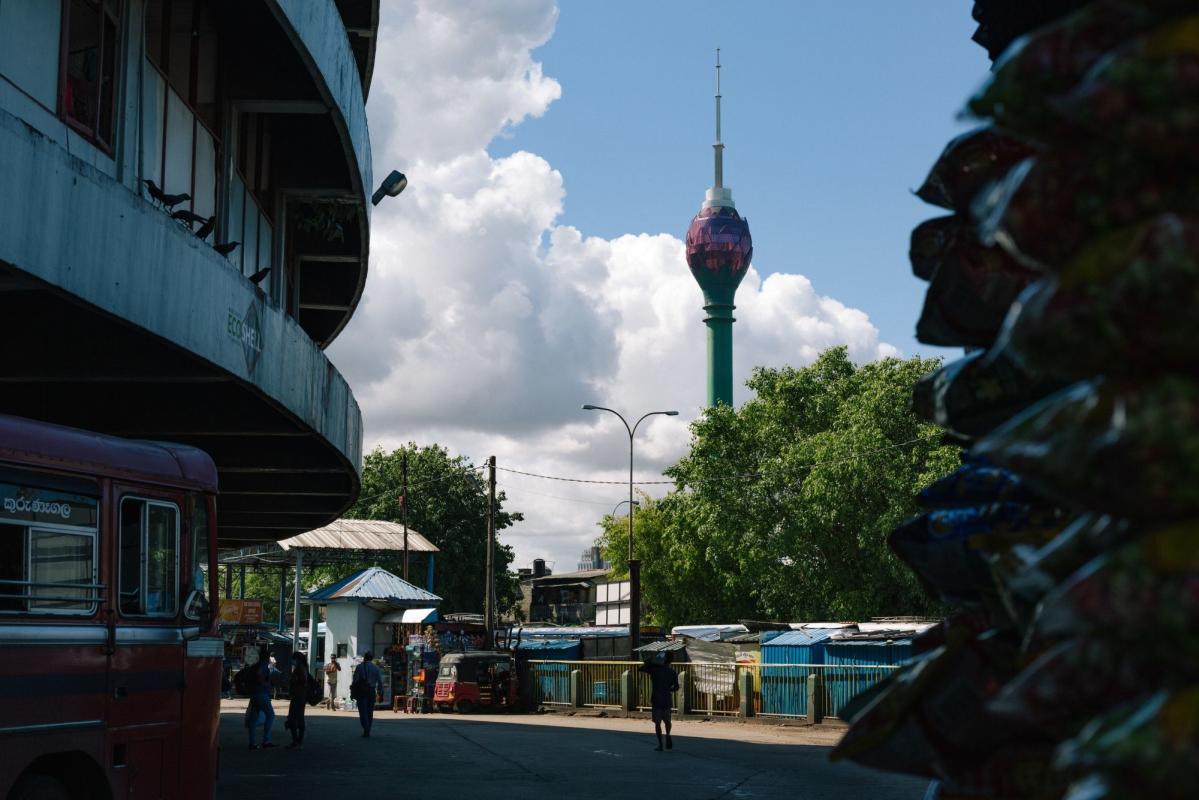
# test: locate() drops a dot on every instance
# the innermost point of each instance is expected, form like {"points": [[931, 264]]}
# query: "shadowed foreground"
{"points": [[494, 756]]}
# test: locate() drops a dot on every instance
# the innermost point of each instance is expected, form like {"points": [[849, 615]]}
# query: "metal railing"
{"points": [[779, 690]]}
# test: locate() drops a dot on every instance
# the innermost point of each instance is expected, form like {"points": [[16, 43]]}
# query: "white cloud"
{"points": [[486, 324]]}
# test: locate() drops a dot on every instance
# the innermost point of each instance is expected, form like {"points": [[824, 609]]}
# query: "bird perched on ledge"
{"points": [[205, 229], [257, 277], [168, 201], [225, 248], [188, 218]]}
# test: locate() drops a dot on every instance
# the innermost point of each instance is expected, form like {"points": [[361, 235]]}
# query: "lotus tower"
{"points": [[719, 249]]}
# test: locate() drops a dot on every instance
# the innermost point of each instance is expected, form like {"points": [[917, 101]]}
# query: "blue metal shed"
{"points": [[784, 680], [859, 653], [551, 681]]}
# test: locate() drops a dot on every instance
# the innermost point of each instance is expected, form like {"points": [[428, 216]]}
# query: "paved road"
{"points": [[514, 756]]}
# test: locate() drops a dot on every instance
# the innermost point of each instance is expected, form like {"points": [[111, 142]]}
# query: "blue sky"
{"points": [[556, 153], [833, 113]]}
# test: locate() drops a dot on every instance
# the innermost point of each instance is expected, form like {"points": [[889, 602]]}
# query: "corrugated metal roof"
{"points": [[801, 638], [360, 534], [571, 632], [547, 644], [579, 575], [661, 647], [375, 583]]}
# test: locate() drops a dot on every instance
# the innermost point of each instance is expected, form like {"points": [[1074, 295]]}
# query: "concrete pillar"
{"points": [[295, 623], [241, 581], [628, 690], [815, 698], [282, 599], [576, 688], [681, 703], [429, 577], [745, 678], [313, 660]]}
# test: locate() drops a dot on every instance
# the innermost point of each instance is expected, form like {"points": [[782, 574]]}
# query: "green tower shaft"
{"points": [[720, 321]]}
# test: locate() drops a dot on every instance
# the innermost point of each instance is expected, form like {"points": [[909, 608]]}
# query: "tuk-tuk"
{"points": [[479, 679]]}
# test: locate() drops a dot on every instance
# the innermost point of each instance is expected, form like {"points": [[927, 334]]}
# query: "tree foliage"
{"points": [[447, 504], [782, 507]]}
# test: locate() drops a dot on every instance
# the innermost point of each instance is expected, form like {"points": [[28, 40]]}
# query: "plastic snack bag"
{"points": [[977, 483], [969, 163], [1145, 95], [1144, 594], [1124, 306], [975, 394], [1130, 450], [948, 548], [1053, 59], [971, 292], [1152, 744], [935, 241]]}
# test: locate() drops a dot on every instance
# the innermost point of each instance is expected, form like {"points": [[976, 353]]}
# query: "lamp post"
{"points": [[634, 564]]}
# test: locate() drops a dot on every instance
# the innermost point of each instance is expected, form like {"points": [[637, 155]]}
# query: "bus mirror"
{"points": [[197, 608]]}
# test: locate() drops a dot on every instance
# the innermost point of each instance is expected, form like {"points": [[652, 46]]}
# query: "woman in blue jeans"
{"points": [[260, 701]]}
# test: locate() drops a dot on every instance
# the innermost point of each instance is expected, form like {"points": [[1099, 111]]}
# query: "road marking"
{"points": [[606, 753]]}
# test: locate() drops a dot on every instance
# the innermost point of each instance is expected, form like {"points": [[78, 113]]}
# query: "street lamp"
{"points": [[634, 565]]}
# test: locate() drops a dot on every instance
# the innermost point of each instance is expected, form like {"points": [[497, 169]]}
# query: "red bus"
{"points": [[110, 660]]}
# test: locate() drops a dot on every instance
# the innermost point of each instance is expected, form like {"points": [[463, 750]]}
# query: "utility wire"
{"points": [[746, 476]]}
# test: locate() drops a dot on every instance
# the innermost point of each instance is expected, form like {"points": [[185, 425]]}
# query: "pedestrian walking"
{"points": [[331, 670], [366, 686], [664, 682], [297, 690], [260, 701]]}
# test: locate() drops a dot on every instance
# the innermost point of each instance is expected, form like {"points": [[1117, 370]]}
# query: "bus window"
{"points": [[199, 553], [47, 551], [149, 570]]}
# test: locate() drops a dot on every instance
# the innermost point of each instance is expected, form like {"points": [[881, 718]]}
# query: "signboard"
{"points": [[46, 506], [241, 612]]}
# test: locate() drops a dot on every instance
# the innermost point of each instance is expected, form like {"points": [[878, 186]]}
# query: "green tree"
{"points": [[782, 507], [447, 504]]}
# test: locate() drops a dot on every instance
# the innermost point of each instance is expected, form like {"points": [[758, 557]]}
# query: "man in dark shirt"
{"points": [[664, 682]]}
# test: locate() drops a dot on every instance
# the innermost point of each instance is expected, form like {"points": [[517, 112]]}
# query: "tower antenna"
{"points": [[718, 146]]}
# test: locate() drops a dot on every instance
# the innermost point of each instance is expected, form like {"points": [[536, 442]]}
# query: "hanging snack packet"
{"points": [[1152, 744], [971, 292], [933, 719], [1145, 95], [1073, 681], [1026, 572], [1052, 60], [948, 548], [1124, 305], [969, 163], [1124, 449], [1146, 594], [976, 483], [1014, 771], [975, 394], [934, 242], [1047, 209]]}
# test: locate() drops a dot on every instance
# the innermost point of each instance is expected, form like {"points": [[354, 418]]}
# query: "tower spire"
{"points": [[718, 146]]}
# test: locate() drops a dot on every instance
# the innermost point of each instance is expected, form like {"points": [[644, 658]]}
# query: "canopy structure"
{"points": [[341, 542]]}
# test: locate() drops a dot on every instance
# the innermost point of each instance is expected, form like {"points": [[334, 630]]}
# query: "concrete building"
{"points": [[139, 141], [361, 612]]}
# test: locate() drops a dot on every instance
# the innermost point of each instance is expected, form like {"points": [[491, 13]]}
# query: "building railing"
{"points": [[804, 691], [563, 613], [179, 153]]}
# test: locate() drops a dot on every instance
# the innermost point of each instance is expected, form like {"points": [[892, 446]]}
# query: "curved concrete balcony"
{"points": [[118, 319]]}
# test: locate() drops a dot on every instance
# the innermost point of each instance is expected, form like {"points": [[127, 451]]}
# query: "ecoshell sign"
{"points": [[46, 506], [246, 330]]}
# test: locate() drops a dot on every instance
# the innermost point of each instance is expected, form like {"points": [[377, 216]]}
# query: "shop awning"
{"points": [[409, 616]]}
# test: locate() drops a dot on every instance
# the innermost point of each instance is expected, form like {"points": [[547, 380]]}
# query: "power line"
{"points": [[746, 476]]}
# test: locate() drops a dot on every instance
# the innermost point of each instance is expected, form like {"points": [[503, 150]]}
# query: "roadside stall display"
{"points": [[1067, 544]]}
